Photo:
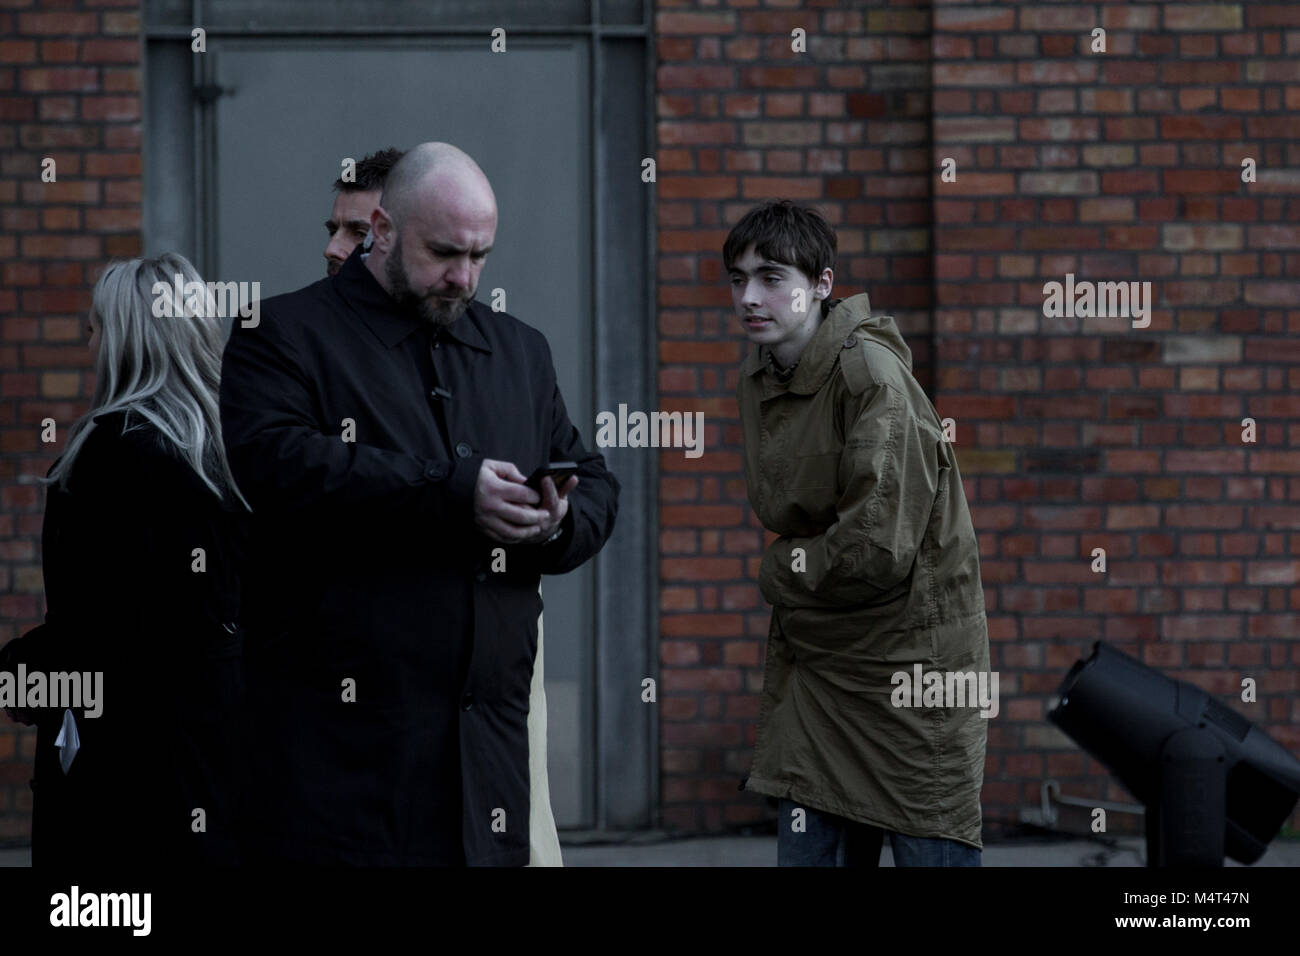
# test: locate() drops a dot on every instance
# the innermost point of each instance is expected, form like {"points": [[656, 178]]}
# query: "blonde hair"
{"points": [[167, 370]]}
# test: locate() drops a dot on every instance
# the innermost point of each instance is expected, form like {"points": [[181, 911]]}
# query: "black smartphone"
{"points": [[559, 472]]}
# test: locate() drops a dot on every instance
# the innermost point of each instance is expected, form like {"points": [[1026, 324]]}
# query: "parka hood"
{"points": [[847, 319]]}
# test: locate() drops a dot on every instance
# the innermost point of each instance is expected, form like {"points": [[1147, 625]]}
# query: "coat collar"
{"points": [[844, 320], [386, 319]]}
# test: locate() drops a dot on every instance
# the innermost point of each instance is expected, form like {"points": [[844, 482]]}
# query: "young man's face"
{"points": [[348, 224], [766, 299]]}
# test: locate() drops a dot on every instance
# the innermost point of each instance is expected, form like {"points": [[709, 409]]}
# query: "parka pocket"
{"points": [[929, 554]]}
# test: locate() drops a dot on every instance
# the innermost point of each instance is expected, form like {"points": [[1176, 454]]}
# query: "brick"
{"points": [[979, 184], [1200, 127], [1081, 183], [17, 108], [1216, 16], [1111, 154], [1057, 73], [1200, 181], [1279, 293], [1070, 129], [1285, 181], [1128, 71], [1272, 15], [698, 187], [973, 19], [1181, 237], [1106, 101], [57, 24], [1201, 73], [974, 130], [62, 191], [1064, 19], [974, 74], [669, 23], [681, 133], [13, 52], [898, 21], [101, 50], [114, 24], [50, 246], [118, 219], [113, 108], [60, 384], [1106, 210], [781, 134], [1130, 17], [1197, 627], [777, 77], [696, 78]]}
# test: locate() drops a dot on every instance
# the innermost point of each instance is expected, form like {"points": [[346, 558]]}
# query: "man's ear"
{"points": [[381, 229], [824, 284]]}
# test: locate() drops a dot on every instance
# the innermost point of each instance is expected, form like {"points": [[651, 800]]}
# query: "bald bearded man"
{"points": [[382, 423], [348, 226]]}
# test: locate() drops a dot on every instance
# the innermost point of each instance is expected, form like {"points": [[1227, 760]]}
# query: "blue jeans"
{"points": [[830, 840]]}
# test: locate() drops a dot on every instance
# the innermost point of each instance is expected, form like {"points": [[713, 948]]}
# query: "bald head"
{"points": [[433, 228], [436, 175]]}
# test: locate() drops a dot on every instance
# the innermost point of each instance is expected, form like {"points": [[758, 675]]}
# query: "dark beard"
{"points": [[400, 289]]}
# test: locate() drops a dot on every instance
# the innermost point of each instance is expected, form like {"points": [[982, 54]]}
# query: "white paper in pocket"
{"points": [[68, 741]]}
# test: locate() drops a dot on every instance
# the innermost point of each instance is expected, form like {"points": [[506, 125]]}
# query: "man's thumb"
{"points": [[507, 469]]}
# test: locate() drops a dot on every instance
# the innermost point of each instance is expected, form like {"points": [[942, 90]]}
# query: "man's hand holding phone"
{"points": [[512, 509]]}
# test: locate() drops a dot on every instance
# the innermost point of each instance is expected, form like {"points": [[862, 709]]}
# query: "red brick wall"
{"points": [[69, 91], [1071, 434]]}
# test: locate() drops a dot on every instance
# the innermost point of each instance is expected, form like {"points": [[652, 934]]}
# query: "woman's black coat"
{"points": [[126, 597]]}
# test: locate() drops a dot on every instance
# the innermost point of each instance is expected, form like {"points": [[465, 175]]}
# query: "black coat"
{"points": [[124, 599], [372, 575]]}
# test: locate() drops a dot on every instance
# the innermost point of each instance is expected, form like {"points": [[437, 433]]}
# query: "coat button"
{"points": [[435, 472], [463, 450], [851, 341], [480, 577], [467, 702]]}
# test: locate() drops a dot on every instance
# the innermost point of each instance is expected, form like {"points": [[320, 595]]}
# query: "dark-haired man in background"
{"points": [[349, 221]]}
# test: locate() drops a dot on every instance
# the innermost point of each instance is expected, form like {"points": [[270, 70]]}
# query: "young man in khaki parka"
{"points": [[874, 573]]}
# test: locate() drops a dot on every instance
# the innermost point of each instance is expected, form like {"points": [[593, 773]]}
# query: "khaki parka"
{"points": [[876, 571]]}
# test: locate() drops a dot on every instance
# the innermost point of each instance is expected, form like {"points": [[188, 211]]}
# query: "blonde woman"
{"points": [[140, 558]]}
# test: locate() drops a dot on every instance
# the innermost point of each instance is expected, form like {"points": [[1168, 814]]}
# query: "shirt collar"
{"points": [[390, 322], [760, 357]]}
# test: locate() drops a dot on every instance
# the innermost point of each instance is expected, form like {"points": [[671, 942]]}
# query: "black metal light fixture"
{"points": [[1213, 783]]}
